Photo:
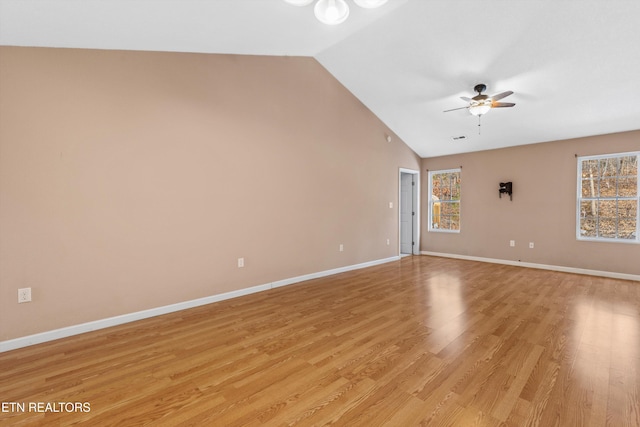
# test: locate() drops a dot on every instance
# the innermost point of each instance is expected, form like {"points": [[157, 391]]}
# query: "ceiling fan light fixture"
{"points": [[479, 109], [369, 4], [331, 12]]}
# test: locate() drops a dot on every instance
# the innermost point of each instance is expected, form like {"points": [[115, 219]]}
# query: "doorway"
{"points": [[409, 212]]}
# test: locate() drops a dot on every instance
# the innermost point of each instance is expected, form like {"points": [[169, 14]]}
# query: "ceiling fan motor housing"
{"points": [[480, 88]]}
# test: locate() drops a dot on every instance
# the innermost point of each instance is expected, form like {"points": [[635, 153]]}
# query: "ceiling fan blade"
{"points": [[454, 109], [502, 95], [465, 98], [502, 104]]}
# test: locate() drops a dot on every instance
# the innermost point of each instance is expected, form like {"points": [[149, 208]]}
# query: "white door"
{"points": [[407, 213]]}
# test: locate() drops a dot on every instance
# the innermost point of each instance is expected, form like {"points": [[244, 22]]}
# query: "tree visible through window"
{"points": [[444, 201], [608, 197]]}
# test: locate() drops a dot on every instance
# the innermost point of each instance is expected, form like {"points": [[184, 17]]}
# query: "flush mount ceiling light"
{"points": [[333, 12]]}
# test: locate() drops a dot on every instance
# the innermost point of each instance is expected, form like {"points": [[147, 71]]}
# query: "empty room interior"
{"points": [[314, 212]]}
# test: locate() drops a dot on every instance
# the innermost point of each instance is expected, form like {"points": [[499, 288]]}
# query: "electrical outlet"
{"points": [[390, 205], [530, 245], [341, 247], [240, 262], [24, 295], [388, 242], [512, 243]]}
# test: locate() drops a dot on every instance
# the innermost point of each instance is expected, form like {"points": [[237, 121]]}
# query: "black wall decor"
{"points": [[506, 187]]}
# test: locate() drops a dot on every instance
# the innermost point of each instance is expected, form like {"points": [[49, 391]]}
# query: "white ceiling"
{"points": [[574, 65]]}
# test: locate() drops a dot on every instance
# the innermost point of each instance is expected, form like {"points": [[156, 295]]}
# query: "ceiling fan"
{"points": [[481, 104]]}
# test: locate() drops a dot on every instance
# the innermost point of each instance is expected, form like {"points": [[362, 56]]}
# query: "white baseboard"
{"points": [[286, 282], [144, 314], [575, 270]]}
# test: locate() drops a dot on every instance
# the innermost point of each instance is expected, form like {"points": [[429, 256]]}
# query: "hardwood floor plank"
{"points": [[422, 341], [539, 405], [521, 375]]}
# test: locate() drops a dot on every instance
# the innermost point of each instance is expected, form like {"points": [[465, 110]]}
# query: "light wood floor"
{"points": [[422, 341]]}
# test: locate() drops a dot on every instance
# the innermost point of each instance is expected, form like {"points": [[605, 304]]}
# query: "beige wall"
{"points": [[543, 209], [133, 180]]}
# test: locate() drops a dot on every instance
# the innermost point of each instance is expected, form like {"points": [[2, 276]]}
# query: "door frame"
{"points": [[416, 203]]}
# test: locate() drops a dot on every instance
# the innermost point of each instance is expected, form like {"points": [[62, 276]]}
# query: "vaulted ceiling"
{"points": [[574, 66]]}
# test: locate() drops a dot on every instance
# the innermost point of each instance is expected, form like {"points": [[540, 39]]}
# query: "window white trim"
{"points": [[580, 198], [431, 201]]}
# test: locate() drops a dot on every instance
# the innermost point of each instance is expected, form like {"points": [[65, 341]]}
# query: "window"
{"points": [[607, 207], [444, 200]]}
